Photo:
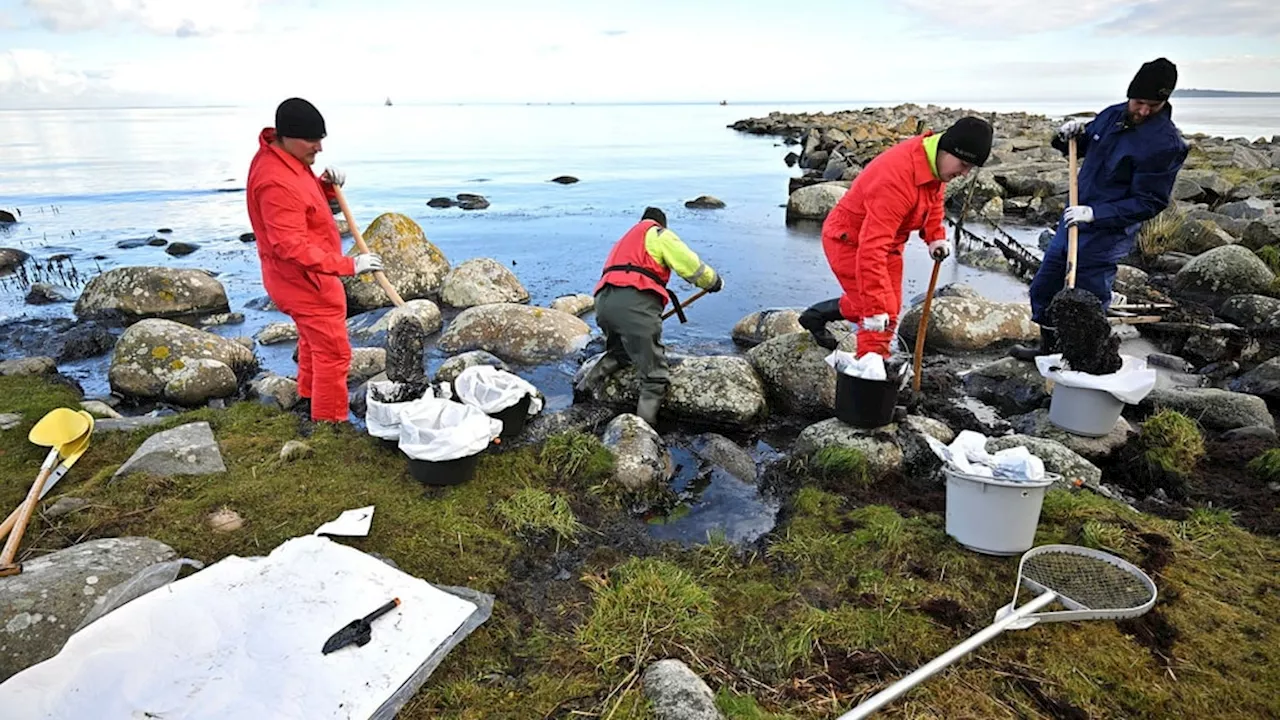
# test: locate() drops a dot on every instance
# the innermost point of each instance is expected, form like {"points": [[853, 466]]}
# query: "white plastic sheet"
{"points": [[383, 419], [242, 639], [1130, 384], [351, 523], [494, 390], [867, 367], [439, 430], [968, 454]]}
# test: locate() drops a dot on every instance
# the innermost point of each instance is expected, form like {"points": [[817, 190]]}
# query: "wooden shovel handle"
{"points": [[924, 326], [685, 304], [378, 275], [1073, 232], [25, 511]]}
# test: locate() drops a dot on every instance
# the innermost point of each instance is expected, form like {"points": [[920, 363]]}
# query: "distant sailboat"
{"points": [[388, 103]]}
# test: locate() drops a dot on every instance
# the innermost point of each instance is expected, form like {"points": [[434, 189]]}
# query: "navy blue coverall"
{"points": [[1127, 178]]}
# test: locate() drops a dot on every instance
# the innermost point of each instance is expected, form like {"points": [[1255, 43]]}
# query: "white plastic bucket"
{"points": [[994, 517], [1084, 411]]}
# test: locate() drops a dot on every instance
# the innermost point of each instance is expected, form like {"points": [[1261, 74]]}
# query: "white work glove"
{"points": [[1077, 214], [875, 323], [940, 249], [333, 176], [367, 262], [1072, 128]]}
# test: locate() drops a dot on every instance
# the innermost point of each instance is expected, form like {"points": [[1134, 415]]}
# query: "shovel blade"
{"points": [[58, 427]]}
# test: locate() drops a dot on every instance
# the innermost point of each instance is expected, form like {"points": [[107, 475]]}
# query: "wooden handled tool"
{"points": [[378, 275]]}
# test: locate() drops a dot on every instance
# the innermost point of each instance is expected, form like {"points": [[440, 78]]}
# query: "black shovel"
{"points": [[358, 631]]}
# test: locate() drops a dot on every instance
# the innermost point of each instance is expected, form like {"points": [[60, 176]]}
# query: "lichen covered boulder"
{"points": [[414, 266]]}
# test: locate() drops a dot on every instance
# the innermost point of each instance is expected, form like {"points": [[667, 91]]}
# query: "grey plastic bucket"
{"points": [[1084, 411], [992, 516]]}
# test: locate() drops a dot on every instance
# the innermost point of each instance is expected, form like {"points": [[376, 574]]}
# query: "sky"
{"points": [[122, 53]]}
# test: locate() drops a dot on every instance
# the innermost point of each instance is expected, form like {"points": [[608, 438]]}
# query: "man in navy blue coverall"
{"points": [[1131, 153]]}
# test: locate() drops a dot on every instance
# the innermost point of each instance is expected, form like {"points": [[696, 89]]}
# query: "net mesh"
{"points": [[1092, 582]]}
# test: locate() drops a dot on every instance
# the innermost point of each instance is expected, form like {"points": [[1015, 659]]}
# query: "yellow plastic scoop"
{"points": [[59, 427]]}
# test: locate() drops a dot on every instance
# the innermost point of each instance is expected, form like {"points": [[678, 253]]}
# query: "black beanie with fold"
{"points": [[1154, 81], [968, 139], [297, 118]]}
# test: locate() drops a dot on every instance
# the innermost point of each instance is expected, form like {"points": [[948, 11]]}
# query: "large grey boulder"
{"points": [[153, 353], [1263, 380], [414, 266], [676, 693], [481, 281], [814, 202], [1057, 458], [641, 459], [129, 294], [1223, 272], [1250, 311], [579, 304], [879, 446], [1037, 424], [1011, 385], [516, 333], [796, 373], [276, 390], [967, 324], [40, 365], [372, 327], [450, 369], [43, 606], [766, 325], [1214, 409], [200, 380], [185, 450], [727, 454], [711, 390]]}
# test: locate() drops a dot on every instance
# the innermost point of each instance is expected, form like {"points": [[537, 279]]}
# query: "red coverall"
{"points": [[865, 233], [301, 254]]}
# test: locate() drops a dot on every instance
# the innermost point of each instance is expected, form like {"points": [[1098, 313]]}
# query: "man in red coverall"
{"points": [[899, 192], [301, 252]]}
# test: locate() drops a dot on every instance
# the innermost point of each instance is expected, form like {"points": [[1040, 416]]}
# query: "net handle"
{"points": [[1076, 611]]}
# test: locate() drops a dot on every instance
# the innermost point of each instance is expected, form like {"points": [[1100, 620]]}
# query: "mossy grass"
{"points": [[837, 601], [1157, 235], [1171, 443], [1266, 467]]}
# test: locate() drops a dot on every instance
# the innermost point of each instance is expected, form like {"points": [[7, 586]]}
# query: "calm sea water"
{"points": [[86, 179]]}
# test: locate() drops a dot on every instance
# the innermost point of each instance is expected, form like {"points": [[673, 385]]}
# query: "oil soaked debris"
{"points": [[1084, 335], [406, 345], [398, 392]]}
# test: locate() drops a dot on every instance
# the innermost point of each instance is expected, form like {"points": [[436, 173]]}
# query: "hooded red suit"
{"points": [[865, 233], [301, 254]]}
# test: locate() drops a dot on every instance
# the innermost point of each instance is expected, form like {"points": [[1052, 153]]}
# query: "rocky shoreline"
{"points": [[1213, 258]]}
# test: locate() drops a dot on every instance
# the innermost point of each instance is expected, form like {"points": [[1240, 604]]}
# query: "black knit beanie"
{"points": [[968, 139], [1155, 81], [297, 118], [656, 215]]}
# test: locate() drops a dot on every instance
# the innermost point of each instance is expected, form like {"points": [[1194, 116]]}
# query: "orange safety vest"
{"points": [[630, 265]]}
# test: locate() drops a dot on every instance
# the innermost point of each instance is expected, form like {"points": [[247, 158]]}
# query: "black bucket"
{"points": [[865, 403], [444, 472], [514, 418]]}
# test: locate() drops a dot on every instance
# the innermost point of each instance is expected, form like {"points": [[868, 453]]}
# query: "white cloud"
{"points": [[1130, 18], [997, 17], [37, 72], [181, 18], [1196, 18]]}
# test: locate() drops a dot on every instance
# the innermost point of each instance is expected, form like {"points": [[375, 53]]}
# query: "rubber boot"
{"points": [[815, 320], [647, 408], [603, 368], [1029, 353]]}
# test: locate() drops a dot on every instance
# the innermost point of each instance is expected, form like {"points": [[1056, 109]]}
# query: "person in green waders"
{"points": [[630, 297]]}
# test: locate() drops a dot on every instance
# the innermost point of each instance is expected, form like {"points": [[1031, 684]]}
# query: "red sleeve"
{"points": [[287, 234], [933, 229], [885, 214]]}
